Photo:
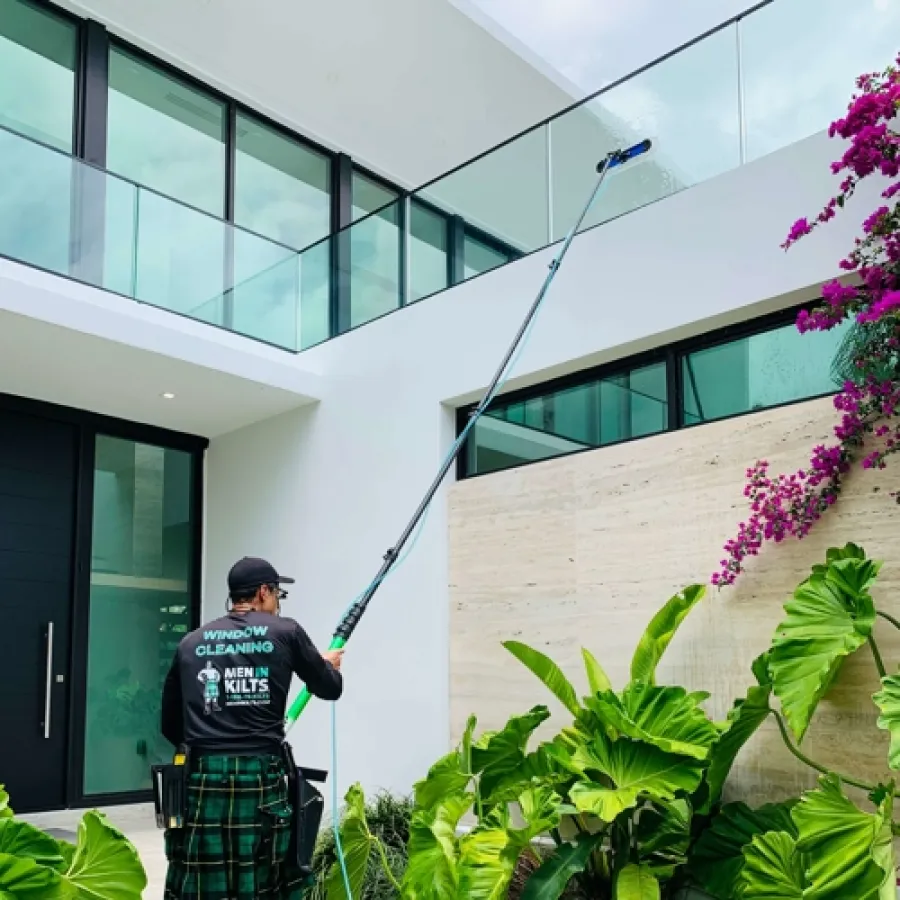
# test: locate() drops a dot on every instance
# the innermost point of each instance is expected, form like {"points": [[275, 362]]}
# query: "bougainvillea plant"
{"points": [[869, 430]]}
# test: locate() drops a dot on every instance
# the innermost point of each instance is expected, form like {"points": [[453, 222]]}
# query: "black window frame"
{"points": [[672, 354]]}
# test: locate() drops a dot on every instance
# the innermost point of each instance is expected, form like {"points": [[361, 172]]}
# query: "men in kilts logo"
{"points": [[225, 698]]}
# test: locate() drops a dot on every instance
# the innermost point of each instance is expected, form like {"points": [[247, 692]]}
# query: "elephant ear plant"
{"points": [[628, 797], [618, 795], [822, 846], [103, 865]]}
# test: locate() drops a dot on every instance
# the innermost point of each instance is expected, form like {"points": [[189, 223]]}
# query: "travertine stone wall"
{"points": [[581, 551]]}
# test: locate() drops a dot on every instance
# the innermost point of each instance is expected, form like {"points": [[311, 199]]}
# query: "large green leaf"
{"points": [[21, 878], [548, 763], [497, 754], [744, 719], [830, 617], [488, 856], [597, 678], [548, 672], [661, 630], [635, 770], [888, 702], [486, 864], [106, 865], [21, 839], [433, 869], [718, 856], [5, 811], [446, 777], [356, 843], [840, 843], [636, 883], [773, 869], [554, 874], [667, 717], [664, 829]]}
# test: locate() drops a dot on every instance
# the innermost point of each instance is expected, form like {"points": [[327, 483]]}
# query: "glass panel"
{"points": [[837, 40], [141, 554], [35, 203], [374, 247], [180, 259], [38, 50], [315, 294], [479, 256], [759, 371], [688, 106], [428, 261], [165, 133], [504, 194], [600, 412], [282, 188], [267, 290]]}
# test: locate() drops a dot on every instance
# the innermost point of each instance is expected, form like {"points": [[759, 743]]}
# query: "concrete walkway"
{"points": [[136, 821]]}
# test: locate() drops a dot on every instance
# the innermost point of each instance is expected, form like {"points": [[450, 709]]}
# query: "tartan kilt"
{"points": [[236, 833]]}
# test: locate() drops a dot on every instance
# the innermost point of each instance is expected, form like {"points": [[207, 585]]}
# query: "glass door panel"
{"points": [[140, 606]]}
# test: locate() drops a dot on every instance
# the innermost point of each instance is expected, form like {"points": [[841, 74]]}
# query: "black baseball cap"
{"points": [[252, 572]]}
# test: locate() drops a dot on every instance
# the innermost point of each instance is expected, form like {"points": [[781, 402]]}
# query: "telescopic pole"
{"points": [[351, 619]]}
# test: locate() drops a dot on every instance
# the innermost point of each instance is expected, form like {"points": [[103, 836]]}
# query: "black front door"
{"points": [[37, 520]]}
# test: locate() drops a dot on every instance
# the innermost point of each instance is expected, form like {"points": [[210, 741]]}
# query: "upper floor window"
{"points": [[282, 188], [38, 51], [165, 133]]}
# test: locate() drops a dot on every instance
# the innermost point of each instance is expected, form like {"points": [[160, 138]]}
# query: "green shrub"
{"points": [[388, 818]]}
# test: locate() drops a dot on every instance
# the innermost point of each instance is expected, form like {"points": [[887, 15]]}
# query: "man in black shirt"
{"points": [[225, 698]]}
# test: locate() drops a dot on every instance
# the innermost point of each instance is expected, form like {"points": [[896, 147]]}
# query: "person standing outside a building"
{"points": [[225, 698]]}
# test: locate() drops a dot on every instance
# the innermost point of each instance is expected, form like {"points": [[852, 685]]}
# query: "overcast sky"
{"points": [[593, 42]]}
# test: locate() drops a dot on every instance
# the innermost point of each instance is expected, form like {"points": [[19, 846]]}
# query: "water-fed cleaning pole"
{"points": [[355, 612]]}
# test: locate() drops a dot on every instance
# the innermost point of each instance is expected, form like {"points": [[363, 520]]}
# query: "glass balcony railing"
{"points": [[67, 217], [778, 73]]}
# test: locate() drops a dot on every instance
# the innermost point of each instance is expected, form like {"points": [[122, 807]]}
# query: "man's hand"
{"points": [[335, 657]]}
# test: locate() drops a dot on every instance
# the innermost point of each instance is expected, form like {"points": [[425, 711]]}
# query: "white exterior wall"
{"points": [[409, 88], [323, 491]]}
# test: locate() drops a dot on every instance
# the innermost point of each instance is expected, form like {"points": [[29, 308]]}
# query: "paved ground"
{"points": [[136, 821]]}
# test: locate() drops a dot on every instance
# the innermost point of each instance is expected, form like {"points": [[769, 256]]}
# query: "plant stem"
{"points": [[812, 763], [879, 662], [384, 864], [889, 618]]}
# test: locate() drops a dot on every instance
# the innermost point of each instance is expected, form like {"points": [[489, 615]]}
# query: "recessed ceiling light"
{"points": [[168, 396]]}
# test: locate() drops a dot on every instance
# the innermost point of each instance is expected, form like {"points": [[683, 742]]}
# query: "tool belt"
{"points": [[170, 783]]}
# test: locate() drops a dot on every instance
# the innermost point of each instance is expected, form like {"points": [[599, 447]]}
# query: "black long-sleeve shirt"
{"points": [[227, 688]]}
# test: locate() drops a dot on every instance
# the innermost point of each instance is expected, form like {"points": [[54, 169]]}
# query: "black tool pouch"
{"points": [[170, 790], [308, 805]]}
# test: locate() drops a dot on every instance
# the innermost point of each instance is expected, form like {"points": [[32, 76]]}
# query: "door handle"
{"points": [[48, 690]]}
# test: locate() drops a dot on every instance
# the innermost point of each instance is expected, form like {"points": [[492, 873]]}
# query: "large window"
{"points": [[375, 266], [696, 382], [282, 190], [631, 404], [165, 133], [141, 567], [429, 268], [759, 371], [37, 98], [38, 50], [282, 187]]}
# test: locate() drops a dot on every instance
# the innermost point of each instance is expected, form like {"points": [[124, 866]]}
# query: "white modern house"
{"points": [[256, 263]]}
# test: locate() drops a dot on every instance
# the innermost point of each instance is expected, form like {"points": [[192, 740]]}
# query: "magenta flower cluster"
{"points": [[788, 505]]}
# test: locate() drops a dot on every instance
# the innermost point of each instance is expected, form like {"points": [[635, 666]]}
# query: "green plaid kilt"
{"points": [[237, 828]]}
